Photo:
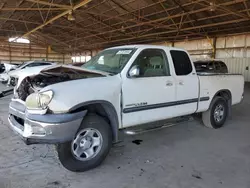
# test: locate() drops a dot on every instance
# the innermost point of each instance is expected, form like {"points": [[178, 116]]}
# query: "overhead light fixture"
{"points": [[212, 6], [70, 16], [122, 29]]}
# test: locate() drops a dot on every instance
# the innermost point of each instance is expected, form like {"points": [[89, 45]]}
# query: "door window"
{"points": [[182, 63], [152, 63]]}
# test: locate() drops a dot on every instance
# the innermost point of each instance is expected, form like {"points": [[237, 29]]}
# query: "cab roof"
{"points": [[147, 46]]}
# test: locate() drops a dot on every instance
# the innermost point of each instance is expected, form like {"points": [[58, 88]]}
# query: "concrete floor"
{"points": [[187, 155]]}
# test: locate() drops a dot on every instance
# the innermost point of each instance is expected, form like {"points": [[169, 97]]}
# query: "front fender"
{"points": [[106, 109], [70, 94]]}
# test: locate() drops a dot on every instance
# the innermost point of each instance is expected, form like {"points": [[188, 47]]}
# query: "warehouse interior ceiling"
{"points": [[76, 25]]}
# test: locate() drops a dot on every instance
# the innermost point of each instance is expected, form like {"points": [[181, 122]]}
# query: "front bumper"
{"points": [[43, 129]]}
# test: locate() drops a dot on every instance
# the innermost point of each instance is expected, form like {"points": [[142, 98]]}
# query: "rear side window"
{"points": [[182, 63], [217, 65], [224, 68]]}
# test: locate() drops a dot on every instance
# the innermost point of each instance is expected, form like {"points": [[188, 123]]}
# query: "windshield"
{"points": [[111, 61], [24, 64]]}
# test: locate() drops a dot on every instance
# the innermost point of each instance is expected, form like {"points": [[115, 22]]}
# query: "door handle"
{"points": [[169, 84], [181, 83]]}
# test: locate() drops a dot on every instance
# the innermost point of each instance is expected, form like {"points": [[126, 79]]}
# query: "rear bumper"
{"points": [[43, 129]]}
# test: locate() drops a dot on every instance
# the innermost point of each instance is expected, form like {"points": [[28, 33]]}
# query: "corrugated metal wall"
{"points": [[18, 53], [239, 66]]}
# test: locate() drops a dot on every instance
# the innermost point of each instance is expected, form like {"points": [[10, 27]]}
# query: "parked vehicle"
{"points": [[82, 110], [21, 69], [9, 67], [4, 68], [212, 66]]}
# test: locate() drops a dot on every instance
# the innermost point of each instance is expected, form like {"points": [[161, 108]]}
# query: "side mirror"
{"points": [[134, 71]]}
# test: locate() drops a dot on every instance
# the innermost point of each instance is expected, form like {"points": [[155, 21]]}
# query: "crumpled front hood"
{"points": [[51, 69], [55, 76], [66, 68]]}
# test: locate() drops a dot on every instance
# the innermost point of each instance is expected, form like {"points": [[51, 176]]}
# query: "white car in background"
{"points": [[8, 67], [27, 69], [4, 68]]}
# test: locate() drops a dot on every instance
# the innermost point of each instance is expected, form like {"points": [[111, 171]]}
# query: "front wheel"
{"points": [[216, 115], [90, 146]]}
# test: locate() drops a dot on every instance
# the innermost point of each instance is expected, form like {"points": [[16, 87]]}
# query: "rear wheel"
{"points": [[216, 115], [90, 146]]}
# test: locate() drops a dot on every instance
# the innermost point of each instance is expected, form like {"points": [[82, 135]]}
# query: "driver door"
{"points": [[148, 97]]}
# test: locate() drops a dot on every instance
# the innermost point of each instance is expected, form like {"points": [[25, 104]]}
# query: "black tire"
{"points": [[208, 116], [66, 156]]}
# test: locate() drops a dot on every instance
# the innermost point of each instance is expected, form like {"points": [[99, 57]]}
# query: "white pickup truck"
{"points": [[82, 109]]}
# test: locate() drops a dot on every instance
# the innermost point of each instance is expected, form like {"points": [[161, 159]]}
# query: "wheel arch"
{"points": [[227, 95], [102, 108]]}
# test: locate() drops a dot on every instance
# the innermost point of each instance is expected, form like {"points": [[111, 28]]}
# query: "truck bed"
{"points": [[212, 83]]}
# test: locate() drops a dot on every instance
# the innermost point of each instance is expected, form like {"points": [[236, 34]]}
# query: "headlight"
{"points": [[39, 100], [44, 98]]}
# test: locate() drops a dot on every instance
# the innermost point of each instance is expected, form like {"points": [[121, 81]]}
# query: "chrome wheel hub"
{"points": [[219, 113], [87, 144]]}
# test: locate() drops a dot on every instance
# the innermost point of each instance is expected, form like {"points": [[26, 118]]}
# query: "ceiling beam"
{"points": [[21, 21], [18, 4], [84, 2], [184, 29], [245, 4], [191, 17], [135, 15], [220, 6], [124, 20], [228, 3], [51, 25], [142, 8], [31, 9], [189, 21], [158, 20], [50, 4], [166, 11], [88, 29]]}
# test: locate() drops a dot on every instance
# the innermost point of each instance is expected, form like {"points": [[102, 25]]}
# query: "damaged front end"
{"points": [[49, 76], [29, 115]]}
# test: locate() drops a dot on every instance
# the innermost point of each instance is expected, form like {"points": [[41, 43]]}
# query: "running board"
{"points": [[156, 125]]}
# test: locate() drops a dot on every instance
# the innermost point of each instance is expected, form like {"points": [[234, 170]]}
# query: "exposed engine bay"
{"points": [[35, 83]]}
